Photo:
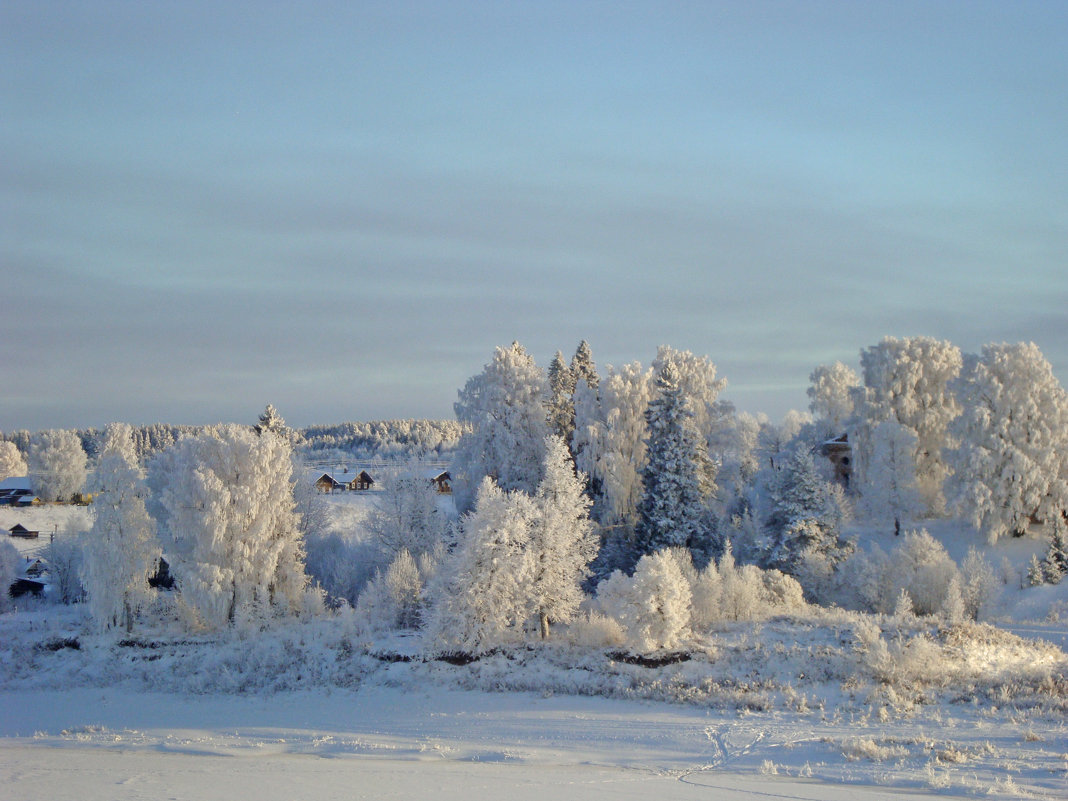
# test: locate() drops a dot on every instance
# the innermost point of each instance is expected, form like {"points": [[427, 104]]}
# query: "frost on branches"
{"points": [[120, 551], [1012, 462], [832, 391], [11, 461], [57, 462], [481, 592], [224, 504], [562, 542], [908, 380], [889, 489], [652, 606], [504, 408], [672, 510]]}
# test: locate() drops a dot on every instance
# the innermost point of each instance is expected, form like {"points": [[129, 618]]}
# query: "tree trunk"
{"points": [[544, 620]]}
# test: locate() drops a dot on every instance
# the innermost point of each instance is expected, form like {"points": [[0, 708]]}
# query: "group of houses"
{"points": [[18, 491], [344, 480]]}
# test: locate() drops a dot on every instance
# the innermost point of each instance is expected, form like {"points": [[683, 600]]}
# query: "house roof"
{"points": [[16, 483]]}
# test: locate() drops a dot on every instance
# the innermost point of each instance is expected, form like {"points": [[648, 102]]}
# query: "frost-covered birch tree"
{"points": [[120, 552], [223, 501], [504, 407], [562, 542], [832, 392], [1012, 460], [11, 461], [909, 380], [889, 489], [58, 464]]}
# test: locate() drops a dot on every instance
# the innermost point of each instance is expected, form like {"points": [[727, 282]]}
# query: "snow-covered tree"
{"points": [[979, 585], [1036, 575], [120, 552], [503, 406], [889, 488], [58, 464], [223, 501], [807, 513], [396, 599], [832, 392], [610, 438], [711, 417], [64, 556], [908, 380], [652, 606], [560, 405], [562, 542], [272, 421], [582, 367], [1012, 460], [11, 461], [672, 510], [481, 593], [406, 515], [1055, 564], [10, 562]]}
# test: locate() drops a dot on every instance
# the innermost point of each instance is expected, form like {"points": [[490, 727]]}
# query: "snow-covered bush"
{"points": [[595, 630], [397, 598], [919, 567], [652, 606], [980, 586]]}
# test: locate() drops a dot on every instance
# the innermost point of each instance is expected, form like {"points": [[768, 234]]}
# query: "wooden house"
{"points": [[327, 483], [19, 530], [441, 481], [840, 454]]}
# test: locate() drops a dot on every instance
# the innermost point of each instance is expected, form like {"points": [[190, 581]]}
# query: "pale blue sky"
{"points": [[342, 208]]}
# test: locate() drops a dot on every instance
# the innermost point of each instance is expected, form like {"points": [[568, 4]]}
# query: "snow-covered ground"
{"points": [[828, 705]]}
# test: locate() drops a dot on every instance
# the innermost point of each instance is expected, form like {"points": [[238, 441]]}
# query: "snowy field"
{"points": [[830, 705]]}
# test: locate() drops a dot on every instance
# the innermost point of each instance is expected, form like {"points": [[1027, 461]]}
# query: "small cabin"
{"points": [[19, 530], [327, 483], [840, 454], [441, 481], [362, 481]]}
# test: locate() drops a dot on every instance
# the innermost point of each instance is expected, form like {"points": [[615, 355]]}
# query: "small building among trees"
{"points": [[19, 530]]}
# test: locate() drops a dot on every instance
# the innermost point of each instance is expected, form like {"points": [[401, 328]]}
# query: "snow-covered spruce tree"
{"points": [[11, 461], [562, 542], [888, 488], [406, 515], [504, 408], [272, 421], [1012, 460], [908, 380], [560, 405], [481, 592], [672, 511], [57, 464], [807, 514], [1055, 564], [1036, 576], [582, 367], [121, 551], [711, 417], [653, 605], [223, 501], [832, 392]]}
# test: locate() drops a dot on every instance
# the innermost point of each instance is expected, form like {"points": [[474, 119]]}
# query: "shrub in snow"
{"points": [[652, 606], [57, 462], [120, 551], [1012, 462], [11, 461], [10, 562], [224, 504], [396, 599], [481, 590], [953, 610], [595, 630], [918, 567]]}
